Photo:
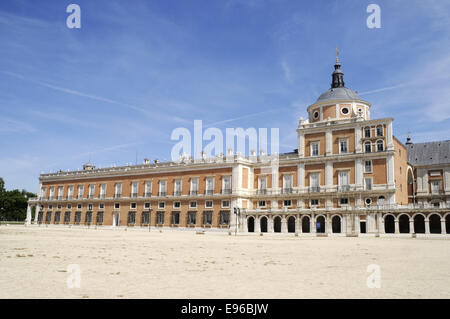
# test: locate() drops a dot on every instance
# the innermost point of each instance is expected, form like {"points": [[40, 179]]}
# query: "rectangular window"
{"points": [[343, 181], [379, 131], [91, 190], [145, 218], [367, 132], [207, 218], [60, 192], [77, 217], [262, 185], [314, 202], [209, 185], [177, 187], [176, 204], [224, 218], [133, 205], [160, 218], [59, 206], [162, 188], [192, 218], [48, 217], [102, 190], [435, 187], [314, 148], [367, 147], [314, 182], [368, 183], [67, 217], [193, 204], [209, 204], [90, 206], [80, 191], [194, 186], [88, 218], [344, 201], [131, 218], [118, 190], [343, 147], [161, 205], [175, 218], [100, 218], [287, 203], [50, 207], [69, 206], [79, 206], [367, 166], [287, 183], [70, 192], [226, 185], [146, 205], [134, 189], [262, 203], [148, 189], [225, 204], [57, 217], [43, 192], [52, 193], [116, 206], [101, 206]]}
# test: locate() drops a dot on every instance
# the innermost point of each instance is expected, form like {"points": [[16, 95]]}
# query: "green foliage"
{"points": [[13, 204]]}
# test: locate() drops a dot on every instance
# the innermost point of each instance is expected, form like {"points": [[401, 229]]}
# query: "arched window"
{"points": [[380, 146], [379, 130], [367, 132], [367, 147]]}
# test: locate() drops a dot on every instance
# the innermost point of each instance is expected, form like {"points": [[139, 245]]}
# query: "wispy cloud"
{"points": [[286, 71], [12, 125]]}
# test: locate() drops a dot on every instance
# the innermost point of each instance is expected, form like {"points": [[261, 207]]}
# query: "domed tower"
{"points": [[338, 102]]}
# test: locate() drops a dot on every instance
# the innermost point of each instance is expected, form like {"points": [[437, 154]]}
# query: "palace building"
{"points": [[348, 176]]}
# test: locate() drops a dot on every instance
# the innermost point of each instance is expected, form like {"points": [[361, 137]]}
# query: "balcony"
{"points": [[437, 192], [343, 188], [117, 195], [90, 196], [51, 198], [70, 197], [60, 198], [286, 190], [209, 192], [314, 189], [147, 194], [102, 196], [226, 191], [262, 191], [193, 193], [134, 195], [161, 193], [177, 193]]}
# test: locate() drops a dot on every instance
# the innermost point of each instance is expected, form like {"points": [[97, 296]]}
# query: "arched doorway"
{"points": [[435, 224], [277, 224], [447, 223], [263, 224], [419, 224], [336, 224], [291, 224], [320, 224], [251, 224], [305, 225], [403, 224], [389, 224]]}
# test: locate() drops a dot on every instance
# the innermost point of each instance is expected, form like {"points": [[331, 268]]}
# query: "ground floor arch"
{"points": [[320, 224], [305, 224], [447, 223], [251, 224], [291, 224], [389, 224], [277, 224], [403, 224], [419, 224], [263, 224], [435, 224], [336, 224]]}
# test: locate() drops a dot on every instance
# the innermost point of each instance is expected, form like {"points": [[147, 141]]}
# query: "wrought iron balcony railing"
{"points": [[314, 189]]}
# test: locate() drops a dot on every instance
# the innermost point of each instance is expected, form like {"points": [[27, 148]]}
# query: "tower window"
{"points": [[344, 110], [316, 114]]}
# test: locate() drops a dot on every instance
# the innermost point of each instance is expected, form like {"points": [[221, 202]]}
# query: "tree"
{"points": [[13, 204]]}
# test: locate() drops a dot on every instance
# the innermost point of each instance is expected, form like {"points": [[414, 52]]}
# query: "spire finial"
{"points": [[337, 54]]}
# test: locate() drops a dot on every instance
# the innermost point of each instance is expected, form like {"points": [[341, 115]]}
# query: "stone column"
{"points": [[447, 180], [28, 220], [299, 224], [427, 226], [359, 174], [390, 171], [389, 140], [328, 143], [328, 228], [301, 144], [329, 176], [443, 230], [36, 214], [381, 224], [270, 224], [284, 228], [313, 224], [396, 226], [257, 225], [301, 176], [357, 224], [411, 226], [358, 141]]}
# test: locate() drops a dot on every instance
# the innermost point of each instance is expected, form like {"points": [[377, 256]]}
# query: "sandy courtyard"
{"points": [[139, 264]]}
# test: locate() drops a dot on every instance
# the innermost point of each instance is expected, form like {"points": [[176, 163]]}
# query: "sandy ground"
{"points": [[177, 264]]}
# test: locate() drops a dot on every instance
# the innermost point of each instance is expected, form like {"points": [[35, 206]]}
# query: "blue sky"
{"points": [[136, 70]]}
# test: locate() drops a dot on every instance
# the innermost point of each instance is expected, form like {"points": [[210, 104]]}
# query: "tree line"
{"points": [[13, 204]]}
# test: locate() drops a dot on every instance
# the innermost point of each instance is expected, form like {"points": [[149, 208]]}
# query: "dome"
{"points": [[339, 93]]}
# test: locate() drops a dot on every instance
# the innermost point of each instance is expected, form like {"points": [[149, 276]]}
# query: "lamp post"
{"points": [[237, 212]]}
